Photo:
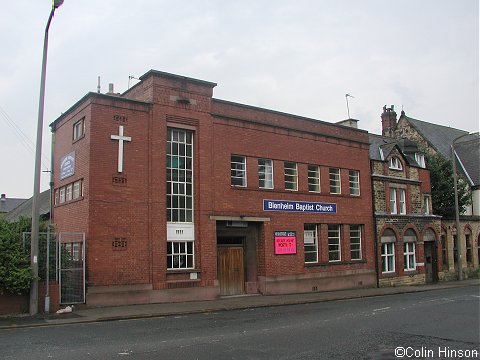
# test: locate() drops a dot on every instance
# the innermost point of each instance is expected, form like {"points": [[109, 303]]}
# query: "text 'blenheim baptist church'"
{"points": [[183, 196]]}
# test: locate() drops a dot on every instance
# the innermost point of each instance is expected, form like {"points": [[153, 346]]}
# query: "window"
{"points": [[426, 204], [355, 242], [313, 178], [393, 201], [443, 239], [335, 185], [395, 163], [420, 159], [468, 246], [334, 251], [388, 258], [62, 195], [409, 256], [180, 255], [291, 175], [310, 243], [77, 189], [265, 173], [68, 192], [354, 180], [403, 206], [238, 166], [179, 176], [78, 129]]}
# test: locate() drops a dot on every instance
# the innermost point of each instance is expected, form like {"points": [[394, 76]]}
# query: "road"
{"points": [[428, 325]]}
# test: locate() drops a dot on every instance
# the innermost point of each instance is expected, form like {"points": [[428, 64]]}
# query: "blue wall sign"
{"points": [[299, 206], [67, 165]]}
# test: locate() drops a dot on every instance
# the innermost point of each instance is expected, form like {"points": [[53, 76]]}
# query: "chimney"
{"points": [[110, 88], [389, 121]]}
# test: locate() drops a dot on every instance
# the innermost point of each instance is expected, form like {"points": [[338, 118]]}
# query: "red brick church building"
{"points": [[182, 196]]}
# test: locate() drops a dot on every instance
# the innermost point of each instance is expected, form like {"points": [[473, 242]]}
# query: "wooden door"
{"points": [[231, 270]]}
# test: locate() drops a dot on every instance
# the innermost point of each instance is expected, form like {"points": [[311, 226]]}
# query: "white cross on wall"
{"points": [[120, 139]]}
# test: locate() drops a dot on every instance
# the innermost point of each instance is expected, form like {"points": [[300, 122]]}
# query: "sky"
{"points": [[296, 56]]}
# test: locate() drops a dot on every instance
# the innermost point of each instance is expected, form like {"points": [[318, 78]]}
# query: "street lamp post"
{"points": [[457, 212], [37, 173]]}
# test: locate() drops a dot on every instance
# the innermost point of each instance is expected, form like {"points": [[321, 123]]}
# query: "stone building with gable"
{"points": [[437, 139], [407, 232]]}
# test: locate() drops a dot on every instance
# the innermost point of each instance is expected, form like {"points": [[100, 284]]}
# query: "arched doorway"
{"points": [[430, 252]]}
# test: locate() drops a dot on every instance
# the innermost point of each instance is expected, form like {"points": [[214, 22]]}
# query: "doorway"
{"points": [[231, 265], [431, 266]]}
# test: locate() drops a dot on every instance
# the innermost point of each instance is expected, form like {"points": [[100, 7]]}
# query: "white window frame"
{"points": [[180, 181], [393, 201], [314, 178], [334, 243], [409, 256], [238, 170], [395, 163], [335, 178], [62, 195], [354, 181], [388, 257], [426, 204], [420, 159], [290, 172], [310, 242], [175, 255], [265, 173], [402, 204], [77, 189], [69, 192], [356, 241]]}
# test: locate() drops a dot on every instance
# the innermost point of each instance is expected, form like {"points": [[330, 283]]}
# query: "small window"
{"points": [[238, 170], [291, 175], [78, 129], [420, 159], [388, 258], [69, 192], [265, 173], [334, 250], [393, 201], [395, 163], [313, 178], [335, 185], [409, 256], [62, 194], [180, 255], [354, 180], [355, 242], [310, 241], [77, 189]]}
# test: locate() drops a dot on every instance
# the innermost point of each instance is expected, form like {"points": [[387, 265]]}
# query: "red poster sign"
{"points": [[285, 242]]}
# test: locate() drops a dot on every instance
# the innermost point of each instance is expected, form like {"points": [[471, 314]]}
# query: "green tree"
{"points": [[442, 182], [15, 271]]}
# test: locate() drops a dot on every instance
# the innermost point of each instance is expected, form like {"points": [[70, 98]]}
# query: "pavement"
{"points": [[85, 314]]}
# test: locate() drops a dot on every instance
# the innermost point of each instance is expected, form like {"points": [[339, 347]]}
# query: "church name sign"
{"points": [[67, 165], [299, 206]]}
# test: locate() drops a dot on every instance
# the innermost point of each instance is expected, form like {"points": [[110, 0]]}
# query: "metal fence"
{"points": [[61, 259]]}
